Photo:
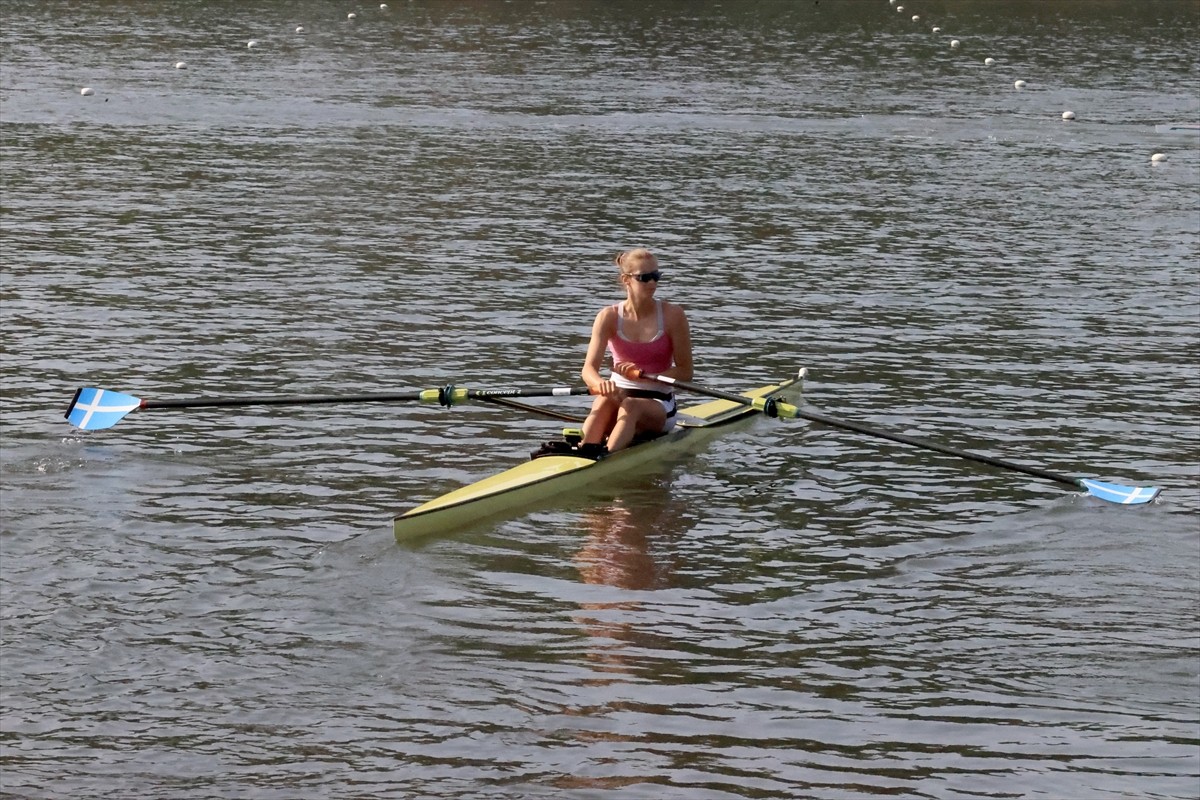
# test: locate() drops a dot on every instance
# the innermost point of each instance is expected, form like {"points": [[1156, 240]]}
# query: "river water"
{"points": [[210, 603]]}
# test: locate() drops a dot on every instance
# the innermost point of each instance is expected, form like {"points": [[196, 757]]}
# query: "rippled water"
{"points": [[211, 604]]}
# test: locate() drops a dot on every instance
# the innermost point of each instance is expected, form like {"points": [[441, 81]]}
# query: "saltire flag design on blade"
{"points": [[94, 409], [1116, 493]]}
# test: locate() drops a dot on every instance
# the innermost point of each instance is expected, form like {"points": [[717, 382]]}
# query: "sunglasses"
{"points": [[646, 277]]}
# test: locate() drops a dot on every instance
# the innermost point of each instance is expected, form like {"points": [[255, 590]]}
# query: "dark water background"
{"points": [[210, 603]]}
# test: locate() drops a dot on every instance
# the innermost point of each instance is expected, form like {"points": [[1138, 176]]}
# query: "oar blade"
{"points": [[1116, 493], [94, 409]]}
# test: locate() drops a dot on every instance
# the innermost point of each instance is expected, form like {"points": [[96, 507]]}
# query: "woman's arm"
{"points": [[595, 355], [681, 339]]}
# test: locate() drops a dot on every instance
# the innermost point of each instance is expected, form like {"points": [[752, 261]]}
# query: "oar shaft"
{"points": [[691, 387], [788, 410], [446, 396], [940, 448], [93, 409], [283, 400], [767, 405]]}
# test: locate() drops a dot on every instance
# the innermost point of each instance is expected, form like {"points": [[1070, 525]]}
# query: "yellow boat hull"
{"points": [[547, 476]]}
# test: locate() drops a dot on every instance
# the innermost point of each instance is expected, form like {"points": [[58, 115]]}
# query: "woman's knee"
{"points": [[641, 414], [605, 404], [630, 408]]}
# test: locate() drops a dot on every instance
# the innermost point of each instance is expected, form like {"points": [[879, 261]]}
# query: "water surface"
{"points": [[208, 604]]}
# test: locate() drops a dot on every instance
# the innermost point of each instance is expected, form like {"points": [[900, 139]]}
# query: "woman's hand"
{"points": [[627, 369], [606, 388]]}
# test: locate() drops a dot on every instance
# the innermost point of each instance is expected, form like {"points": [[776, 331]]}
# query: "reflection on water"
{"points": [[628, 548], [624, 548], [617, 550]]}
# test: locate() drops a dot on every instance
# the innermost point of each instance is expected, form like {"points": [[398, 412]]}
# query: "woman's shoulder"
{"points": [[607, 317], [673, 311]]}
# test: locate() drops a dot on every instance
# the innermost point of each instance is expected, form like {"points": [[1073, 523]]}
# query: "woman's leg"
{"points": [[637, 414], [601, 419]]}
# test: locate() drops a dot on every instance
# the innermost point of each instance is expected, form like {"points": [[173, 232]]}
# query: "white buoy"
{"points": [[916, 17], [899, 9], [180, 65], [1158, 158], [252, 43], [936, 29], [352, 15], [1068, 115], [991, 62], [383, 6], [87, 91], [955, 43], [299, 29], [892, 2], [1019, 84]]}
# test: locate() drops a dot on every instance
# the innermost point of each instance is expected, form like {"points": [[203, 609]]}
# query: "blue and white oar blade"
{"points": [[93, 409], [1116, 493]]}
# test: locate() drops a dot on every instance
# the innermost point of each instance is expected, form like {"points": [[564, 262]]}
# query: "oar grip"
{"points": [[634, 373]]}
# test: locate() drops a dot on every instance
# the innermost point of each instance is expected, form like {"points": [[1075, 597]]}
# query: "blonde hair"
{"points": [[630, 257]]}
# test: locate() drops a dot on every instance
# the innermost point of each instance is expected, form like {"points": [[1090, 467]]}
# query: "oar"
{"points": [[92, 409], [1112, 492]]}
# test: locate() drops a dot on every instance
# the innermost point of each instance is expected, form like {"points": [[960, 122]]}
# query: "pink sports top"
{"points": [[654, 356]]}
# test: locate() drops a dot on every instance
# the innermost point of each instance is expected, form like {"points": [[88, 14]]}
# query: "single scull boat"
{"points": [[545, 476]]}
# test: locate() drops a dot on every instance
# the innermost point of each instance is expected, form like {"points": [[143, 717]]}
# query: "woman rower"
{"points": [[642, 333]]}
